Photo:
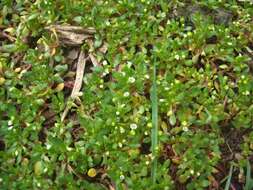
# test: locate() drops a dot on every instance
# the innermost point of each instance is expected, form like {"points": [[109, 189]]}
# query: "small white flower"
{"points": [[146, 76], [10, 128], [107, 23], [48, 146], [129, 64], [122, 130], [120, 145], [1, 180], [247, 93], [122, 177], [163, 15], [192, 172], [131, 79], [10, 123], [126, 94], [147, 162], [230, 43], [104, 62], [198, 174], [185, 129], [166, 88], [117, 113], [101, 86], [177, 57], [161, 100], [133, 126]]}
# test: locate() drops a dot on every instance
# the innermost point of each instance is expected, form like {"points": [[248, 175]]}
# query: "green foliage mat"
{"points": [[99, 137]]}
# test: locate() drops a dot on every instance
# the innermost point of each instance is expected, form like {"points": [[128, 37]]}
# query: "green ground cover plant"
{"points": [[126, 94]]}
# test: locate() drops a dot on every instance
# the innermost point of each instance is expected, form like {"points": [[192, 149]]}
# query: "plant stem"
{"points": [[154, 133]]}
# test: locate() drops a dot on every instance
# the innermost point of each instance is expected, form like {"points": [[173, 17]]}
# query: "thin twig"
{"points": [[94, 60]]}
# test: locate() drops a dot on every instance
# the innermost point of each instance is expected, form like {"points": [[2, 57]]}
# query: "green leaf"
{"points": [[172, 119], [61, 68], [229, 178], [33, 16], [249, 180], [98, 41], [78, 19], [195, 59], [38, 168]]}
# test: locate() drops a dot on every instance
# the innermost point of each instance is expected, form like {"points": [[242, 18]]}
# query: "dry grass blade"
{"points": [[79, 29], [71, 35], [74, 29], [104, 48], [71, 38], [78, 81], [79, 75], [94, 60]]}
